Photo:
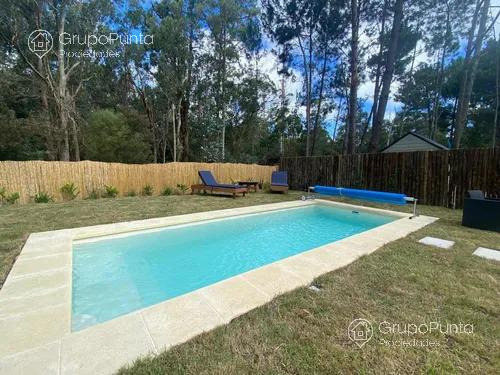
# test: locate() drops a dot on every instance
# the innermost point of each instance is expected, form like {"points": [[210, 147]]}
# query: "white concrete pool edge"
{"points": [[35, 301]]}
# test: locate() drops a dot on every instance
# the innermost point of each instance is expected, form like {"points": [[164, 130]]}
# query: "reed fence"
{"points": [[439, 178], [31, 177]]}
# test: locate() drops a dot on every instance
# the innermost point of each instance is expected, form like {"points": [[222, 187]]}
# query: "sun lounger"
{"points": [[212, 186], [279, 181]]}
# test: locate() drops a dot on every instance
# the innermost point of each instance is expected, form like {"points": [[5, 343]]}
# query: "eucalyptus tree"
{"points": [[176, 26], [310, 34], [60, 76], [353, 57], [330, 40], [484, 102], [441, 41], [227, 22], [480, 27], [396, 46], [389, 66], [363, 19], [418, 97]]}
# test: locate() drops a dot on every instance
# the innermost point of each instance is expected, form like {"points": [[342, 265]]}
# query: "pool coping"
{"points": [[35, 301]]}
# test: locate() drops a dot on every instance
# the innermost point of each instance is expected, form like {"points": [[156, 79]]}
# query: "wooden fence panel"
{"points": [[477, 169], [30, 177], [439, 178]]}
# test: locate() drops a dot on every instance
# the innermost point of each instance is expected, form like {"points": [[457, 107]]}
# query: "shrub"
{"points": [[167, 191], [147, 190], [182, 188], [110, 191], [94, 194], [43, 197], [12, 198], [116, 137], [131, 193], [69, 191], [3, 194], [266, 187]]}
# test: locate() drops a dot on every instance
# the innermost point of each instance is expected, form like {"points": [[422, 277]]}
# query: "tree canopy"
{"points": [[243, 80]]}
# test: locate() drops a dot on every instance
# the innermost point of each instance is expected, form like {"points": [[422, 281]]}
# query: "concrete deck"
{"points": [[35, 301]]}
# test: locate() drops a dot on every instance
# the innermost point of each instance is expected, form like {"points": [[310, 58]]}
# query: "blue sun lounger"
{"points": [[279, 181], [211, 185]]}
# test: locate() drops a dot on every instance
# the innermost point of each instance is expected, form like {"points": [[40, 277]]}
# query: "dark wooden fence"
{"points": [[438, 178]]}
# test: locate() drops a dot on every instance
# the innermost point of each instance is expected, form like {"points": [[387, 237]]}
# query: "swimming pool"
{"points": [[117, 275]]}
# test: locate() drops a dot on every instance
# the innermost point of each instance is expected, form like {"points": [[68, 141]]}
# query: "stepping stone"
{"points": [[437, 242], [483, 252], [314, 288]]}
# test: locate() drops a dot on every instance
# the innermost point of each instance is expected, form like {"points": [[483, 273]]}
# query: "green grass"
{"points": [[305, 332]]}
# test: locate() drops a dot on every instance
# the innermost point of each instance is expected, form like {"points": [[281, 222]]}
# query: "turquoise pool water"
{"points": [[114, 276]]}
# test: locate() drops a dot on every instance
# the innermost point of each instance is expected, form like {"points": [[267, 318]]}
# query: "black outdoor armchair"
{"points": [[480, 212]]}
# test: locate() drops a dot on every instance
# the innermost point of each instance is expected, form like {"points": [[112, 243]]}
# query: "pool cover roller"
{"points": [[377, 196]]}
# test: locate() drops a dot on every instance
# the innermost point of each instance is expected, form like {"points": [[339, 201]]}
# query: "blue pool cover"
{"points": [[378, 196]]}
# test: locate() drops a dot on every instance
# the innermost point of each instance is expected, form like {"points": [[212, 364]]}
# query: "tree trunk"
{"points": [[471, 62], [174, 132], [223, 96], [283, 104], [150, 116], [180, 149], [44, 101], [337, 117], [76, 146], [184, 129], [165, 138], [186, 102], [309, 88], [62, 89], [63, 121], [307, 79], [320, 99], [353, 94], [388, 75], [378, 73], [440, 76], [497, 96], [437, 94]]}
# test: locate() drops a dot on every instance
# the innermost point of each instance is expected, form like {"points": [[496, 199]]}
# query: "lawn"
{"points": [[305, 331]]}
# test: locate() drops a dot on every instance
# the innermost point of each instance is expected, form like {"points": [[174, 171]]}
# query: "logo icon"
{"points": [[360, 331], [40, 42]]}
